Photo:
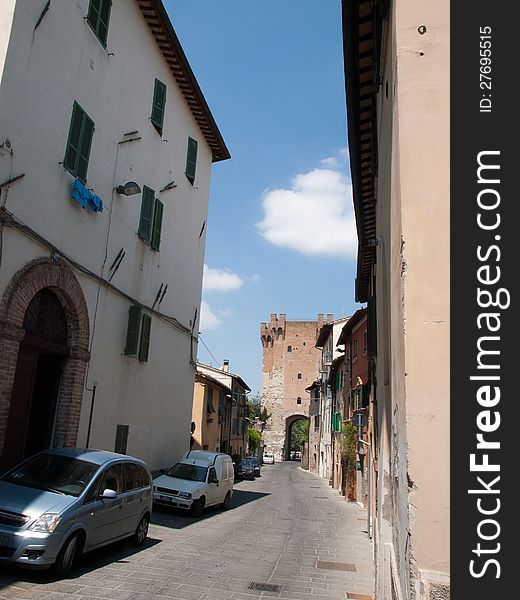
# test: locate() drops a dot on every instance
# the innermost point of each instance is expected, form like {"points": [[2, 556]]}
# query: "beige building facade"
{"points": [[397, 58], [290, 363], [233, 412]]}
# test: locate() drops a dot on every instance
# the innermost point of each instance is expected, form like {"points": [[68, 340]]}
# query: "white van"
{"points": [[200, 479], [268, 458]]}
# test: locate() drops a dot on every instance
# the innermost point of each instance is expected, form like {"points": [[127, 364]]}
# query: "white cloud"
{"points": [[208, 319], [330, 162], [315, 216], [220, 279]]}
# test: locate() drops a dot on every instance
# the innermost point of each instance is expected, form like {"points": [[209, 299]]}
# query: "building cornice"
{"points": [[361, 49], [162, 29]]}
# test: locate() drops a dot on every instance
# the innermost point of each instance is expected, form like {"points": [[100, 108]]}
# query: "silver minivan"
{"points": [[62, 502]]}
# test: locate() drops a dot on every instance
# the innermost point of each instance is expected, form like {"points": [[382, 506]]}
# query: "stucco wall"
{"points": [[45, 72], [412, 526]]}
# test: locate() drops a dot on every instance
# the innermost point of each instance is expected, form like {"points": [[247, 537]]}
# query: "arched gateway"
{"points": [[44, 337]]}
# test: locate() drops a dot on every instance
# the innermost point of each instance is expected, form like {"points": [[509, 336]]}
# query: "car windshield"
{"points": [[247, 462], [190, 472], [52, 473]]}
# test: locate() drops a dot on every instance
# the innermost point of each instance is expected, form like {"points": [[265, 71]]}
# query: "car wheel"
{"points": [[142, 531], [66, 556], [197, 508], [227, 501]]}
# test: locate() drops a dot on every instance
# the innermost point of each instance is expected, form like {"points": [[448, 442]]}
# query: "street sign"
{"points": [[359, 420]]}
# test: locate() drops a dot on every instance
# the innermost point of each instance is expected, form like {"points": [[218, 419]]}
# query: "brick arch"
{"points": [[290, 420], [56, 276]]}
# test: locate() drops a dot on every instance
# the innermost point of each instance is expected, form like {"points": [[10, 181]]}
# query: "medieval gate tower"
{"points": [[291, 362]]}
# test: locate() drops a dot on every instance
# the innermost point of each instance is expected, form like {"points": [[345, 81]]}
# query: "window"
{"points": [[209, 400], [113, 479], [289, 348], [191, 159], [138, 333], [299, 375], [298, 400], [135, 477], [365, 341], [159, 102], [354, 352], [98, 18], [150, 220], [78, 144], [94, 492], [121, 440]]}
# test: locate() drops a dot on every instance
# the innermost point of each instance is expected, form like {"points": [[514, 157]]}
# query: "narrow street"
{"points": [[285, 529]]}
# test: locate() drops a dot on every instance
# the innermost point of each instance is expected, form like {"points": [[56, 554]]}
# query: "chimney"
{"points": [[330, 317], [225, 366]]}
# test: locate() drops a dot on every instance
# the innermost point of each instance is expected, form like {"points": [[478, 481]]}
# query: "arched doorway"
{"points": [[44, 333], [37, 378], [290, 423]]}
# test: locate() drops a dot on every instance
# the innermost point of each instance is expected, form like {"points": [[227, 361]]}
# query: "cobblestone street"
{"points": [[285, 529]]}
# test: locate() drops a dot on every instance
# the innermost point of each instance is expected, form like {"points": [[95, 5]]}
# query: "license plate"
{"points": [[166, 498]]}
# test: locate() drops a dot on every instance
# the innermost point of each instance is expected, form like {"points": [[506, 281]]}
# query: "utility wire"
{"points": [[209, 351]]}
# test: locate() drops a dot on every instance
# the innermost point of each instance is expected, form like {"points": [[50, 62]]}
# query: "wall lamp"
{"points": [[129, 189]]}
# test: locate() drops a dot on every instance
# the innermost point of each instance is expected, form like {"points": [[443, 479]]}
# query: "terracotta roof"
{"points": [[232, 375], [199, 375], [354, 320], [162, 29], [323, 335]]}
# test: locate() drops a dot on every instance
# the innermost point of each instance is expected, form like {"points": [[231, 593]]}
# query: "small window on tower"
{"points": [[299, 375], [289, 348], [298, 400]]}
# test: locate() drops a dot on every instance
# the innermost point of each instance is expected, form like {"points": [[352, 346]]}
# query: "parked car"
{"points": [[268, 458], [297, 455], [200, 479], [256, 465], [246, 469], [62, 502]]}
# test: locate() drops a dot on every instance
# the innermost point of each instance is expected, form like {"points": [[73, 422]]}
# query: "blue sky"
{"points": [[280, 236]]}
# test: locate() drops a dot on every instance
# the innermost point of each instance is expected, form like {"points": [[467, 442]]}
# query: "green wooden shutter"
{"points": [[159, 101], [132, 332], [191, 159], [98, 18], [144, 345], [93, 13], [84, 149], [121, 439], [146, 218], [77, 153], [157, 224]]}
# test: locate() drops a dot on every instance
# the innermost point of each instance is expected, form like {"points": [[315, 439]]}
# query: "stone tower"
{"points": [[291, 362]]}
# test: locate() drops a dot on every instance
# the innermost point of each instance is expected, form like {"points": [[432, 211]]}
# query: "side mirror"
{"points": [[109, 495]]}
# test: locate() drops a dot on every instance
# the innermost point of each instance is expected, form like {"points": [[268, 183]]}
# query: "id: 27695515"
{"points": [[485, 69]]}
